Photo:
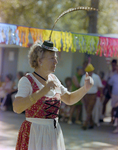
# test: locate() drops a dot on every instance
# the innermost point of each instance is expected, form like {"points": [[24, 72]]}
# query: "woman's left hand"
{"points": [[88, 82]]}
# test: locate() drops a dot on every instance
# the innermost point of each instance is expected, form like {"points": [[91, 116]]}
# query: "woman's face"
{"points": [[80, 72], [68, 83], [49, 61]]}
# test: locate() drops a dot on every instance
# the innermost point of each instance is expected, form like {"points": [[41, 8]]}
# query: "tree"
{"points": [[92, 28], [108, 17], [42, 14]]}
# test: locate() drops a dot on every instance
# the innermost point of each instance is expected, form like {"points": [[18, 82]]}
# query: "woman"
{"points": [[7, 101], [78, 106], [5, 89], [64, 110], [113, 81], [39, 95], [20, 74], [6, 86], [116, 118]]}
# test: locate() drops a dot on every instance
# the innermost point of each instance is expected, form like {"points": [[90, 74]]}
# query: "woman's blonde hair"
{"points": [[36, 51]]}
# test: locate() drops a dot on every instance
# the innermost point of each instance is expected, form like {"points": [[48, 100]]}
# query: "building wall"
{"points": [[8, 61], [99, 63], [77, 60], [23, 64], [64, 66]]}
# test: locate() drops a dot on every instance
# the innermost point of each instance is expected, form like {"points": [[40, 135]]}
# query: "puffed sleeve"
{"points": [[24, 88], [62, 88]]}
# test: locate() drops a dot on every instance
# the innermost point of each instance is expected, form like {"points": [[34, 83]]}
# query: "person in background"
{"points": [[65, 109], [0, 86], [39, 95], [20, 74], [5, 89], [68, 82], [113, 81], [99, 95], [85, 63], [26, 72], [8, 99], [116, 118], [78, 106], [0, 81], [89, 99], [108, 89], [97, 110]]}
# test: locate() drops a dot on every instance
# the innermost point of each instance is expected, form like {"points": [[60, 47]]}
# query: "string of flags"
{"points": [[64, 41]]}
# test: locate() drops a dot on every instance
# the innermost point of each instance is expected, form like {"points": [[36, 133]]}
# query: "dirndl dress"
{"points": [[41, 130]]}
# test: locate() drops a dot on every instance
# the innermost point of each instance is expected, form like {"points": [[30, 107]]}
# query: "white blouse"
{"points": [[25, 88]]}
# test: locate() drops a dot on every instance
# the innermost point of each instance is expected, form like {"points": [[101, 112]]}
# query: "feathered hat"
{"points": [[48, 44]]}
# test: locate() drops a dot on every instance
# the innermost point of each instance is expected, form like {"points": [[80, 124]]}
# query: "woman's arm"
{"points": [[71, 98], [20, 104]]}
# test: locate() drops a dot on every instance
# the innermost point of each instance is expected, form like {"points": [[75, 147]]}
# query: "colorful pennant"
{"points": [[66, 41]]}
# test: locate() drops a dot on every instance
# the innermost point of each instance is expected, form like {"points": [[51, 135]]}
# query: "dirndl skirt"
{"points": [[45, 134]]}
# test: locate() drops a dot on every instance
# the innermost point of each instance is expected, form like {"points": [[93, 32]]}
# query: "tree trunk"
{"points": [[93, 17]]}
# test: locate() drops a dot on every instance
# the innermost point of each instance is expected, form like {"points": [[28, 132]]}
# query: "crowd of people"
{"points": [[8, 89], [91, 110], [88, 112]]}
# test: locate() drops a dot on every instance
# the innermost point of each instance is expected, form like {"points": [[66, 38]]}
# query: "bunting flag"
{"points": [[8, 34], [61, 40], [56, 37], [37, 34], [23, 35], [85, 43], [66, 41], [108, 47]]}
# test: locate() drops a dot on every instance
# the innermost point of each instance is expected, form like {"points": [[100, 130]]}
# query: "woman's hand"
{"points": [[88, 82], [50, 85]]}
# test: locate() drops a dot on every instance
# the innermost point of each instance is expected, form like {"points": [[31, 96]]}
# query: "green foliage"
{"points": [[108, 17], [42, 14]]}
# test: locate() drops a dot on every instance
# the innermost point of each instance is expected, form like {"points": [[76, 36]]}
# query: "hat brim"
{"points": [[49, 48], [55, 49]]}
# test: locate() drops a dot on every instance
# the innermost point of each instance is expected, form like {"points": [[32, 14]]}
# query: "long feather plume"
{"points": [[71, 10]]}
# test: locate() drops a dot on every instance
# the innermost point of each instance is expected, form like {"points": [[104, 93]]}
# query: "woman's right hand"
{"points": [[50, 85]]}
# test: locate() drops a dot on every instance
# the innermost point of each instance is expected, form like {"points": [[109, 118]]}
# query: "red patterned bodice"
{"points": [[44, 107]]}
